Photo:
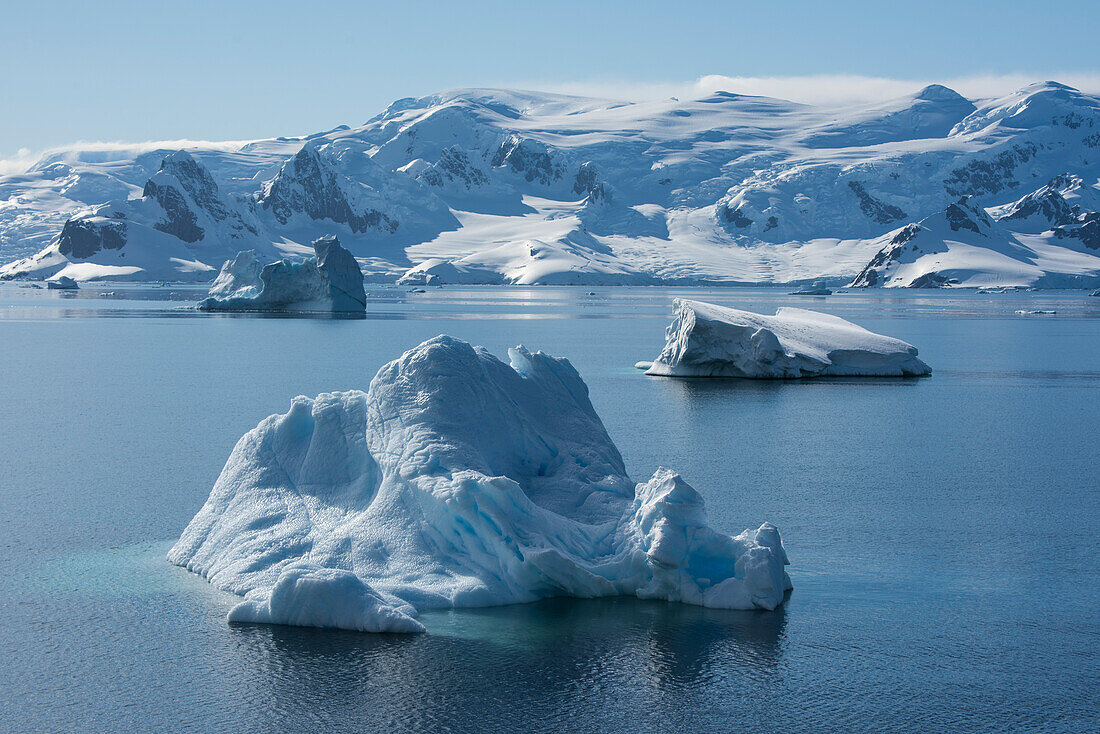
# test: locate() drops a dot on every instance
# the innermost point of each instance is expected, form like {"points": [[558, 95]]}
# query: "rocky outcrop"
{"points": [[454, 166], [82, 238], [874, 209], [1046, 203], [307, 185], [530, 159]]}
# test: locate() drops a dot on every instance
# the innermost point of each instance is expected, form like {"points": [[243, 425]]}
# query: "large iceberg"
{"points": [[330, 281], [705, 340], [457, 480]]}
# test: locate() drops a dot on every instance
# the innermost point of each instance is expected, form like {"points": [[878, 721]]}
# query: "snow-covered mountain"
{"points": [[500, 186], [1043, 239]]}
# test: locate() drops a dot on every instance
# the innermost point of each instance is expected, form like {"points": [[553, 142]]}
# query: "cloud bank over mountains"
{"points": [[815, 89]]}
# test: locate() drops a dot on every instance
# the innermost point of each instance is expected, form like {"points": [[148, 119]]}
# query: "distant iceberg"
{"points": [[705, 340], [457, 480], [62, 283], [817, 289], [330, 281]]}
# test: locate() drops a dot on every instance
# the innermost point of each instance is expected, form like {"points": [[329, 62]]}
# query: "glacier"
{"points": [[329, 281], [503, 186], [705, 340], [458, 480]]}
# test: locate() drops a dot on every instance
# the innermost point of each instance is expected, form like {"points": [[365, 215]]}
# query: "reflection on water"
{"points": [[99, 300], [619, 657]]}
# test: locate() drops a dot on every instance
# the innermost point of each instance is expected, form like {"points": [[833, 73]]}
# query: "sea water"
{"points": [[943, 532]]}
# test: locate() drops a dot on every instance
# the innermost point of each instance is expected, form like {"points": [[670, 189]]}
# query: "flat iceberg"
{"points": [[62, 283], [329, 281], [705, 340], [457, 480]]}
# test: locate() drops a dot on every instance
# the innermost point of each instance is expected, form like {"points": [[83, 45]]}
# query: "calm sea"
{"points": [[943, 532]]}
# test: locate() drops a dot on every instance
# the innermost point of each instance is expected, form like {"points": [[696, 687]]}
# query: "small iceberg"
{"points": [[62, 283], [1096, 293], [329, 281], [817, 289], [458, 480], [1034, 312], [705, 340]]}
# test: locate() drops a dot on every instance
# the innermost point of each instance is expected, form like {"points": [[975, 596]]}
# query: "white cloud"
{"points": [[18, 163], [828, 89], [25, 158]]}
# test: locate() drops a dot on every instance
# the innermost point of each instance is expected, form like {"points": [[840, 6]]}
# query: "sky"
{"points": [[238, 69]]}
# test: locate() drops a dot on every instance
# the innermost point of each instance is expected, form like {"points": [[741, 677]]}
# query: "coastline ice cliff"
{"points": [[458, 480]]}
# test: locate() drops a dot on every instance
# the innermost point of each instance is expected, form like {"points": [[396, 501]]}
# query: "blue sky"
{"points": [[122, 70]]}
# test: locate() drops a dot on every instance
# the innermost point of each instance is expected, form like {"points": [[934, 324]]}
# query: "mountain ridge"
{"points": [[725, 188]]}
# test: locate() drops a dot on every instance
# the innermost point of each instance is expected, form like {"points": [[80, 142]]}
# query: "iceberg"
{"points": [[817, 289], [458, 480], [62, 283], [330, 281], [705, 340]]}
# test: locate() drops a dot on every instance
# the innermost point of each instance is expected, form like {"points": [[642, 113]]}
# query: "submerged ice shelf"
{"points": [[458, 480], [705, 340]]}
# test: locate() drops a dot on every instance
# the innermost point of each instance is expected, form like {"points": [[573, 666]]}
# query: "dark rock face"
{"points": [[906, 234], [983, 177], [181, 178], [455, 165], [307, 185], [869, 276], [960, 216], [866, 279], [1087, 230], [873, 209], [82, 238], [197, 182], [932, 280], [734, 216], [1047, 202], [529, 159], [179, 220], [586, 180]]}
